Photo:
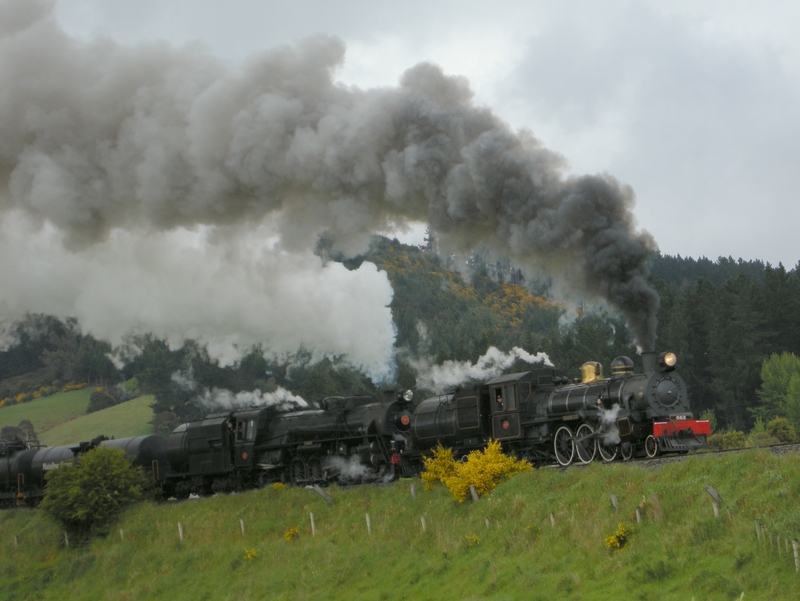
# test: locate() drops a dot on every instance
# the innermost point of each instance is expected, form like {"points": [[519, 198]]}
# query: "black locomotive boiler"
{"points": [[347, 439], [542, 416]]}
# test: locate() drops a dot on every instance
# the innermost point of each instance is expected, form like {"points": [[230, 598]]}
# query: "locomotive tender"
{"points": [[539, 415]]}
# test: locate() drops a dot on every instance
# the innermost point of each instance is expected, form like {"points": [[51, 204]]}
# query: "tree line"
{"points": [[725, 319]]}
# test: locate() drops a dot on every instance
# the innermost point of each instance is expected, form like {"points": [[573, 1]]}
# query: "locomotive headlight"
{"points": [[667, 361], [406, 396]]}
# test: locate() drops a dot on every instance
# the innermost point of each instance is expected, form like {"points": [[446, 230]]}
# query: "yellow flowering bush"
{"points": [[250, 553], [278, 485], [439, 467], [292, 533], [618, 540], [483, 469], [472, 541], [70, 386]]}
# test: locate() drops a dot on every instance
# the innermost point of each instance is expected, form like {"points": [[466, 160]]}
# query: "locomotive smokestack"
{"points": [[649, 362], [97, 137]]}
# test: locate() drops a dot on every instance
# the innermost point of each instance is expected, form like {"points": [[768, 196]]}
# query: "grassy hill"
{"points": [[126, 419], [680, 551], [47, 412], [62, 419]]}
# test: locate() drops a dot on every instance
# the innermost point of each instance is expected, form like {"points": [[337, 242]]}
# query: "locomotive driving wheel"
{"points": [[564, 445], [651, 446], [626, 451], [585, 443], [607, 451], [297, 470]]}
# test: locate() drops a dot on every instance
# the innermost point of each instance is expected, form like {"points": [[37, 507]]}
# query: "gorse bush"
{"points": [[618, 540], [483, 469]]}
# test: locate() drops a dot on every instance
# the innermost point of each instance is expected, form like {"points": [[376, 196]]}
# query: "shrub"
{"points": [[620, 538], [100, 400], [439, 467], [763, 439], [87, 496], [483, 469], [781, 429], [731, 439], [709, 415]]}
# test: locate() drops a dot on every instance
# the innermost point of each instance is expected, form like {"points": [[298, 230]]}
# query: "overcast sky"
{"points": [[695, 104]]}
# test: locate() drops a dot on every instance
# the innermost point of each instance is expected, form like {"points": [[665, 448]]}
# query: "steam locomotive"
{"points": [[539, 415]]}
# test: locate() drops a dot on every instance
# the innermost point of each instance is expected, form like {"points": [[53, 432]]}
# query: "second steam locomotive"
{"points": [[539, 415]]}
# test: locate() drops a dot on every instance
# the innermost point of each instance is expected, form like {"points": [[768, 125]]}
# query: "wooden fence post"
{"points": [[638, 516], [313, 525], [473, 492], [413, 491], [422, 521], [180, 531], [552, 520], [241, 525], [369, 525], [614, 502]]}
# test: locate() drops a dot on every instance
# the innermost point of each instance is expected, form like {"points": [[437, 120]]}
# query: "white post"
{"points": [[241, 525], [487, 521], [473, 492], [638, 516], [369, 525], [413, 491], [716, 510], [66, 542], [15, 541], [552, 520], [614, 502], [122, 535], [313, 525], [180, 531], [422, 521], [796, 548]]}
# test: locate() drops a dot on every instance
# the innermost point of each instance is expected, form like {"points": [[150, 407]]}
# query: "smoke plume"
{"points": [[444, 377], [217, 399], [103, 145]]}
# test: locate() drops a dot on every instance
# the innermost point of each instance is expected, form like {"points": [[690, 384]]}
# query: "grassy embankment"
{"points": [[678, 552], [61, 418]]}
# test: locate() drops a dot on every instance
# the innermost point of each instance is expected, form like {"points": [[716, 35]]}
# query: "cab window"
{"points": [[509, 397]]}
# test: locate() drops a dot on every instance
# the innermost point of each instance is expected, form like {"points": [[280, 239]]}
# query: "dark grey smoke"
{"points": [[96, 137]]}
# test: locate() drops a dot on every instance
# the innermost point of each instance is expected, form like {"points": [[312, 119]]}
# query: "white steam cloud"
{"points": [[221, 399], [440, 378], [608, 425], [191, 196]]}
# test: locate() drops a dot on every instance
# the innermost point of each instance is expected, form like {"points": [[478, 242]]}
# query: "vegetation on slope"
{"points": [[680, 551], [131, 418]]}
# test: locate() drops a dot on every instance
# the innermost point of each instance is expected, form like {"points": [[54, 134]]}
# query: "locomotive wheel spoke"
{"points": [[564, 445], [626, 451], [651, 446], [607, 451], [585, 443]]}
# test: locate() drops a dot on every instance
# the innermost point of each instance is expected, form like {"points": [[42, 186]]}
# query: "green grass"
{"points": [[679, 551], [126, 419], [47, 412], [61, 418]]}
